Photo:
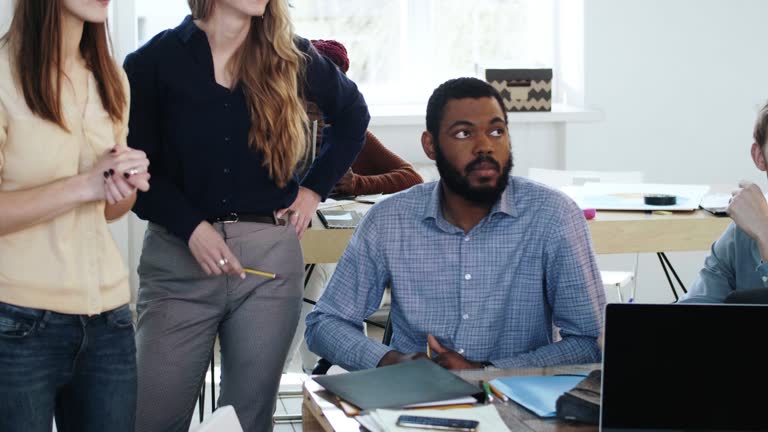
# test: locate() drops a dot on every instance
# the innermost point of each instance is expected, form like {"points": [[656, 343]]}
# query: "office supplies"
{"points": [[259, 273], [684, 367], [589, 213], [487, 391], [438, 423], [537, 393], [339, 218], [396, 386], [429, 351], [628, 196], [498, 393], [659, 199]]}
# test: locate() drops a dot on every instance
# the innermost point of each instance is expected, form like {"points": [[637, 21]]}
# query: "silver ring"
{"points": [[133, 171], [222, 262]]}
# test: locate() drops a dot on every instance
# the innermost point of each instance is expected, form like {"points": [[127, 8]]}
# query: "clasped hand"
{"points": [[118, 174]]}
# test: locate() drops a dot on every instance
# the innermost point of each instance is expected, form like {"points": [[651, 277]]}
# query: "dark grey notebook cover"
{"points": [[396, 386]]}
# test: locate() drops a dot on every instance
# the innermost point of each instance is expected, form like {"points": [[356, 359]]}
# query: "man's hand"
{"points": [[302, 209], [346, 184], [396, 357], [449, 359], [749, 211]]}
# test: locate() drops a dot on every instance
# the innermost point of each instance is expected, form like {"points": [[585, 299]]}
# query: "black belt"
{"points": [[246, 217]]}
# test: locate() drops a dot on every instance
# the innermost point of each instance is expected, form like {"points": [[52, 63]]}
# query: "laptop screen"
{"points": [[684, 367]]}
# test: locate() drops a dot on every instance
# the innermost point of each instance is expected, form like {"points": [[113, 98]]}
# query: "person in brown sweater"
{"points": [[376, 169]]}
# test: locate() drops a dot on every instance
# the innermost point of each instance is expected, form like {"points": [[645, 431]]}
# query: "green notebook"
{"points": [[396, 386]]}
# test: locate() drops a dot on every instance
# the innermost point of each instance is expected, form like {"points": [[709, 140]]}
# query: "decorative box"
{"points": [[523, 89]]}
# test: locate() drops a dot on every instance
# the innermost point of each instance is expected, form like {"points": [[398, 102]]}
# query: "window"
{"points": [[400, 50]]}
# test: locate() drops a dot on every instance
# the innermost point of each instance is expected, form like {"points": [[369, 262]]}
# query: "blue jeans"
{"points": [[81, 369]]}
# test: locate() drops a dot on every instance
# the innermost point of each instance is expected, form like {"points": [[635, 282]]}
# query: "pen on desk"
{"points": [[502, 397], [429, 351], [259, 273], [487, 390]]}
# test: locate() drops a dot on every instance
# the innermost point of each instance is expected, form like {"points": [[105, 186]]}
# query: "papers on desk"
{"points": [[717, 203], [537, 393], [621, 196], [330, 203], [383, 420], [373, 199]]}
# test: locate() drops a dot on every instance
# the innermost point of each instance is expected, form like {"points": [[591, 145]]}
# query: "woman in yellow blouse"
{"points": [[66, 335]]}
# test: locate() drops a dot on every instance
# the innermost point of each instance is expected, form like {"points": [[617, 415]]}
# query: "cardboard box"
{"points": [[523, 89]]}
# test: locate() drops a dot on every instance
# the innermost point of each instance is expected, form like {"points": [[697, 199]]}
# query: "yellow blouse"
{"points": [[71, 263]]}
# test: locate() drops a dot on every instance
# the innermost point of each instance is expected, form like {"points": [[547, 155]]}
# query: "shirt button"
{"points": [[460, 351], [465, 316], [467, 276], [224, 201], [226, 105], [226, 170], [765, 279], [226, 139], [466, 238]]}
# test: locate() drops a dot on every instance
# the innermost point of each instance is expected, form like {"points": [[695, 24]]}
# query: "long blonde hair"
{"points": [[270, 68]]}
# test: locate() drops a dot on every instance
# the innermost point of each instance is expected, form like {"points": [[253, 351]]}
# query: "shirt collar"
{"points": [[187, 29], [505, 204]]}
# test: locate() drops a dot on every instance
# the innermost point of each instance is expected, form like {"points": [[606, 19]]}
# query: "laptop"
{"points": [[684, 367], [335, 219]]}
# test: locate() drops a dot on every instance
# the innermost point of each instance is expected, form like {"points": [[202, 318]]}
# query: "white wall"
{"points": [[6, 13], [679, 83]]}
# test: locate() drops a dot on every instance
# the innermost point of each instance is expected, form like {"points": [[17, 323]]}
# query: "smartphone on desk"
{"points": [[437, 423]]}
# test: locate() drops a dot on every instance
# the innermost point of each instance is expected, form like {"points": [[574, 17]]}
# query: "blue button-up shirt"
{"points": [[492, 294], [195, 133], [733, 263]]}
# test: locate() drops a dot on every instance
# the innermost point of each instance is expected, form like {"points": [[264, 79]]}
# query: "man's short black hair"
{"points": [[457, 88]]}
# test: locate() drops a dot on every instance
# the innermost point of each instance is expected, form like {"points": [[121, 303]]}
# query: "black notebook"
{"points": [[339, 218]]}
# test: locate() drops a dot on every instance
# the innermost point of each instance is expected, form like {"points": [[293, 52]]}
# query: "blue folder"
{"points": [[537, 393]]}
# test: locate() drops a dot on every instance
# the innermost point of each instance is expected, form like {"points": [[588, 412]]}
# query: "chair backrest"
{"points": [[224, 419], [560, 178]]}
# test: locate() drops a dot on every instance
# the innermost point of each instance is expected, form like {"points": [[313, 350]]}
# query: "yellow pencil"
{"points": [[498, 393], [259, 273], [429, 351]]}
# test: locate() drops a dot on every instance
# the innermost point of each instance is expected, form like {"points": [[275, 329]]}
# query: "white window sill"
{"points": [[414, 115]]}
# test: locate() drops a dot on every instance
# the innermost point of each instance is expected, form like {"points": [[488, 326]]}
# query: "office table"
{"points": [[613, 232], [320, 414]]}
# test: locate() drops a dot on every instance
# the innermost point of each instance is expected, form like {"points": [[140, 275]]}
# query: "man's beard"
{"points": [[459, 184]]}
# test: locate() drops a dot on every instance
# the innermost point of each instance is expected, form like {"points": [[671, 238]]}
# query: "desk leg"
{"points": [[309, 422], [664, 261]]}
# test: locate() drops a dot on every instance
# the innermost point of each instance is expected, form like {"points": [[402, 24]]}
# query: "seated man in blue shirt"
{"points": [[739, 258], [481, 264]]}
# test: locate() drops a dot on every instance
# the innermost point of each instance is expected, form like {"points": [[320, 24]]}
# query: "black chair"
{"points": [[748, 296]]}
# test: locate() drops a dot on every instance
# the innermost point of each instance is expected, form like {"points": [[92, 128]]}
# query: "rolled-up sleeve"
{"points": [[344, 109], [163, 203]]}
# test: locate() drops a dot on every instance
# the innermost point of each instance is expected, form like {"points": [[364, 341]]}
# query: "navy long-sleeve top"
{"points": [[195, 133]]}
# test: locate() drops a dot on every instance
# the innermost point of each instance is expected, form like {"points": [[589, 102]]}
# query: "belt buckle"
{"points": [[231, 218]]}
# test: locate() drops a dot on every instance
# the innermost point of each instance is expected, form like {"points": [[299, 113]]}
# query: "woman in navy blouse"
{"points": [[218, 105]]}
